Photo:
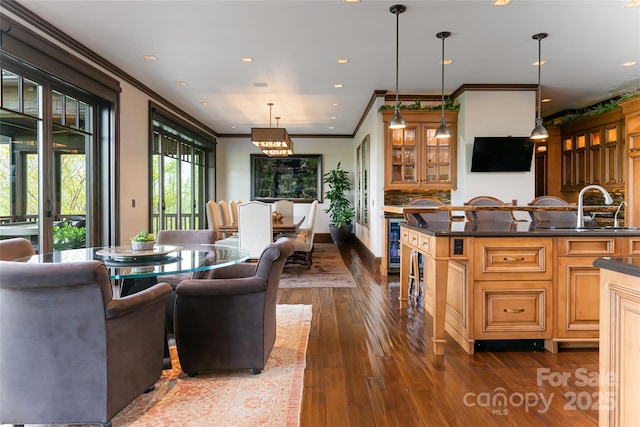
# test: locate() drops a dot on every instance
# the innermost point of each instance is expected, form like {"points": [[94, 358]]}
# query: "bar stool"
{"points": [[415, 287]]}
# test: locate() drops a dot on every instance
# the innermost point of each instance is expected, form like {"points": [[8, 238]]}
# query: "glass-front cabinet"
{"points": [[593, 152], [414, 157]]}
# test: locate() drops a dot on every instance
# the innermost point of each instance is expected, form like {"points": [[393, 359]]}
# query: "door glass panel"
{"points": [[595, 138], [170, 185], [580, 141], [84, 118], [612, 135]]}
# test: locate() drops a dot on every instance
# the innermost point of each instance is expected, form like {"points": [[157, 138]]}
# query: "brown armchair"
{"points": [[15, 248], [70, 352], [229, 321]]}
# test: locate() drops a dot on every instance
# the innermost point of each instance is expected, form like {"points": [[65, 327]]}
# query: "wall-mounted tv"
{"points": [[502, 154]]}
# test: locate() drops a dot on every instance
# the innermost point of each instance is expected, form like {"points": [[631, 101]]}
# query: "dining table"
{"points": [[285, 224]]}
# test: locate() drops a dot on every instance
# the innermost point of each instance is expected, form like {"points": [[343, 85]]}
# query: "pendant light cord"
{"points": [[397, 12], [539, 72], [442, 91]]}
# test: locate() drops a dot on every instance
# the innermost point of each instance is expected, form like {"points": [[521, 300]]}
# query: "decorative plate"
{"points": [[125, 253]]}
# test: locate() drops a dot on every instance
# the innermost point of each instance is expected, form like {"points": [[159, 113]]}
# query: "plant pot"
{"points": [[142, 246], [340, 234]]}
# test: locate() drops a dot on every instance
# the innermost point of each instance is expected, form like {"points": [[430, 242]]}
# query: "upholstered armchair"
{"points": [[229, 321], [15, 248], [70, 353]]}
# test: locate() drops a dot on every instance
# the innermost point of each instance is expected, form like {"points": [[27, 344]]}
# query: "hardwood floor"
{"points": [[371, 363]]}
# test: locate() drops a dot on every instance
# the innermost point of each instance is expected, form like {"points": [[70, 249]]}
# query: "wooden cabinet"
{"points": [[577, 311], [513, 297], [593, 152], [619, 346], [414, 157]]}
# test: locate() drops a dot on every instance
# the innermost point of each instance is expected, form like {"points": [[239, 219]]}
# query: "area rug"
{"points": [[233, 399], [327, 271]]}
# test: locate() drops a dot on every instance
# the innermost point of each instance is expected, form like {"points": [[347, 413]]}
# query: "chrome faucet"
{"points": [[616, 222], [607, 200]]}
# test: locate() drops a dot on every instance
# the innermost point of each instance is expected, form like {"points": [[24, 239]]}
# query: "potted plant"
{"points": [[143, 241], [340, 210]]}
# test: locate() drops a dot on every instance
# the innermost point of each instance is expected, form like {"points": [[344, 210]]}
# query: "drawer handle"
{"points": [[511, 259], [514, 310], [413, 239]]}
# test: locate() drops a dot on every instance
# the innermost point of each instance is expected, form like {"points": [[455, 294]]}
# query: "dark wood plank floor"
{"points": [[371, 363]]}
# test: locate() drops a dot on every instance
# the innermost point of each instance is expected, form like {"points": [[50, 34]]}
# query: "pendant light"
{"points": [[397, 121], [539, 132], [443, 131]]}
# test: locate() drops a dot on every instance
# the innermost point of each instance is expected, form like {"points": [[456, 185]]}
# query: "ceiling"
{"points": [[295, 46]]}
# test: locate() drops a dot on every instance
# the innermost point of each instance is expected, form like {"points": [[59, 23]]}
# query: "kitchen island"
{"points": [[511, 281]]}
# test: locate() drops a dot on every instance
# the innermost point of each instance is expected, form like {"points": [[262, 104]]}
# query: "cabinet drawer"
{"points": [[425, 243], [513, 312], [633, 246], [507, 259], [585, 246]]}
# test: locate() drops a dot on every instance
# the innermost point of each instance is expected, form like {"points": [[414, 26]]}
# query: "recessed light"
{"points": [[343, 60], [333, 117], [151, 57], [233, 126], [260, 84], [246, 59], [632, 3], [338, 85], [628, 64], [335, 104], [352, 1], [500, 2], [447, 61], [204, 103], [332, 127], [545, 100], [180, 83], [539, 63]]}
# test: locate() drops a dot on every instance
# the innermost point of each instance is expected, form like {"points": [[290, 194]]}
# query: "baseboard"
{"points": [[369, 259]]}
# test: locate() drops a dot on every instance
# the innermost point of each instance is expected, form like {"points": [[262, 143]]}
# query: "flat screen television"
{"points": [[502, 154]]}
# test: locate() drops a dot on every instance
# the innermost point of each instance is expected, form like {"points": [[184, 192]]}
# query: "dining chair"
{"points": [[303, 239], [233, 206], [214, 219], [494, 216], [17, 247], [284, 207], [552, 216], [71, 352], [255, 227], [229, 320], [225, 212]]}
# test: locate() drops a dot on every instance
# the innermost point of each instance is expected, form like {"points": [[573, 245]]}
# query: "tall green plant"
{"points": [[340, 210]]}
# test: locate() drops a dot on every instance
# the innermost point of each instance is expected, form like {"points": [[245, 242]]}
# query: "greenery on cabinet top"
{"points": [[597, 109], [449, 104]]}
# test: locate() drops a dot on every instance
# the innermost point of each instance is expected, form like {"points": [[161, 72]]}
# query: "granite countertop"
{"points": [[625, 265], [518, 228]]}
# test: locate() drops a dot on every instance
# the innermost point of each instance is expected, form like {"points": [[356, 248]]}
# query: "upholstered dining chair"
{"points": [[225, 212], [17, 247], [229, 320], [488, 216], [214, 218], [303, 239], [255, 227], [71, 353], [188, 239], [233, 206], [552, 216], [285, 207]]}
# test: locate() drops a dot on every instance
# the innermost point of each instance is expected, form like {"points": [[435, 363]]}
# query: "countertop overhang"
{"points": [[625, 265]]}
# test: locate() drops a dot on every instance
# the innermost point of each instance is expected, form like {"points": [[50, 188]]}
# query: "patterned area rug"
{"points": [[232, 399], [327, 271]]}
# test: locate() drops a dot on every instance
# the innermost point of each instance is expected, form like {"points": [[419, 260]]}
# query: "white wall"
{"points": [[134, 161], [233, 172], [499, 113]]}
